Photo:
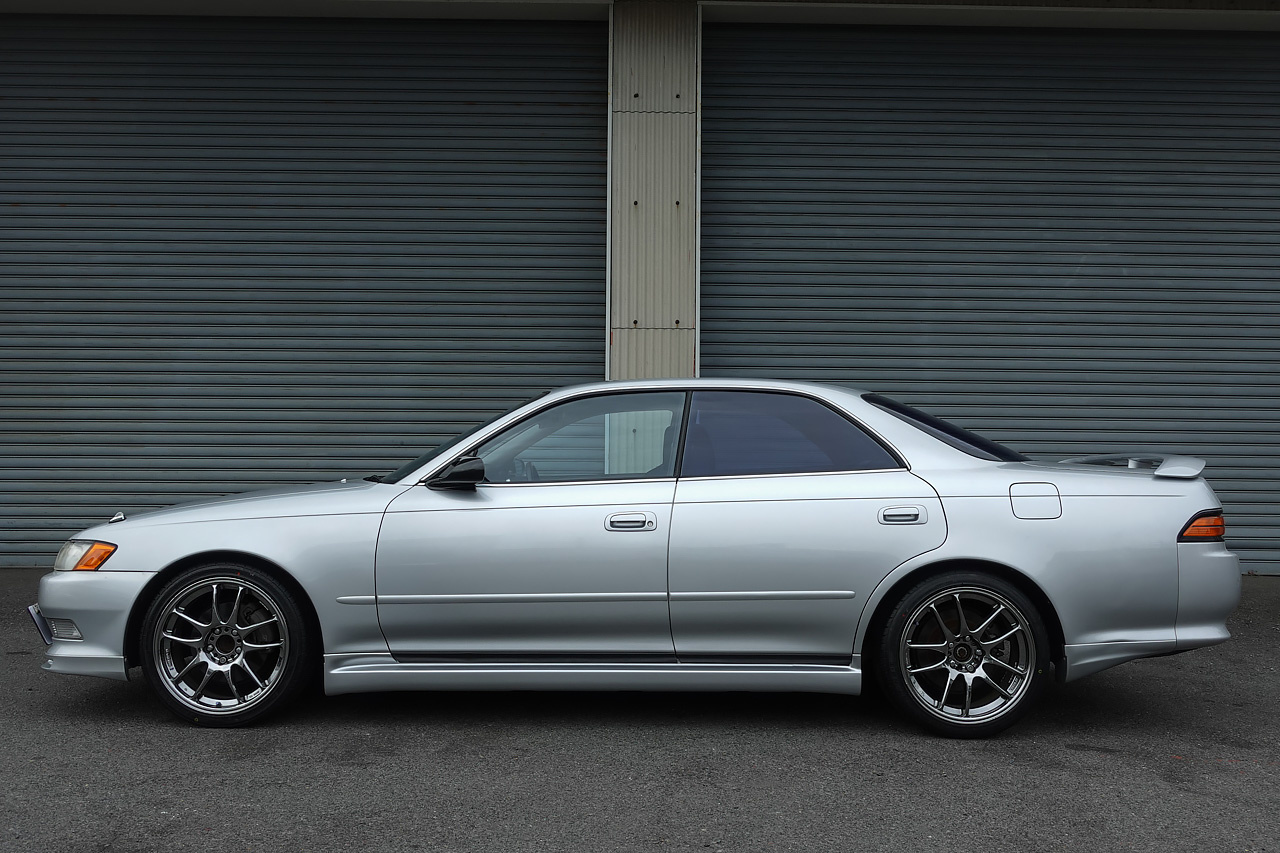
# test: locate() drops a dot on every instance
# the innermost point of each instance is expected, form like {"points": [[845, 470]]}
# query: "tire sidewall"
{"points": [[289, 683], [889, 669]]}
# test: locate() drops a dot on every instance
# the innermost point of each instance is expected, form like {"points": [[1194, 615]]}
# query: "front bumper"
{"points": [[64, 658], [99, 603]]}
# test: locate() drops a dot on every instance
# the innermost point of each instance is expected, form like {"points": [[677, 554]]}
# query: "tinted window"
{"points": [[614, 436], [958, 437], [744, 432]]}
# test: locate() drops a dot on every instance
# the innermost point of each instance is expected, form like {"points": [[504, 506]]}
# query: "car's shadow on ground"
{"points": [[1103, 703], [1062, 708], [576, 708]]}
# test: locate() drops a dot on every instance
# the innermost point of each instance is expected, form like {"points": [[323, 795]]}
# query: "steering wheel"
{"points": [[523, 472]]}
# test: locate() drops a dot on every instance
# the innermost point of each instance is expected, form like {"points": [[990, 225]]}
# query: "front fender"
{"points": [[330, 557]]}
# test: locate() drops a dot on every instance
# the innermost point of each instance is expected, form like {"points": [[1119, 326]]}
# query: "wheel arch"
{"points": [[1026, 585], [133, 626]]}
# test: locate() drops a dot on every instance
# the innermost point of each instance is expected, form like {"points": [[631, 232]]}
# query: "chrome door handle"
{"points": [[903, 515], [631, 521]]}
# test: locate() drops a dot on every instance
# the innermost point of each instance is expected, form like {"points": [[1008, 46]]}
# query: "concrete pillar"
{"points": [[653, 186]]}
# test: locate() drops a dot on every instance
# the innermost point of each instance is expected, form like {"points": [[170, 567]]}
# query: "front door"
{"points": [[560, 554]]}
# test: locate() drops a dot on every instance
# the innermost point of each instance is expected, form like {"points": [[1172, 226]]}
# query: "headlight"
{"points": [[82, 555]]}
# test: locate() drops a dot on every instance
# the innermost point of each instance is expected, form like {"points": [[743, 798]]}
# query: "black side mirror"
{"points": [[462, 474]]}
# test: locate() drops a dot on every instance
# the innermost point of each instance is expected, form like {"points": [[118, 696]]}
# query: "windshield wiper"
{"points": [[374, 478]]}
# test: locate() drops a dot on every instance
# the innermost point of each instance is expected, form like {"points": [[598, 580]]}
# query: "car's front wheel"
{"points": [[225, 645], [964, 654]]}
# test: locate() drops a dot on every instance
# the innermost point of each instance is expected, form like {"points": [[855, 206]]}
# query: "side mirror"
{"points": [[462, 474]]}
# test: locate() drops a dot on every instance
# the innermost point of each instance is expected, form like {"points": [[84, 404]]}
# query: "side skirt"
{"points": [[362, 673]]}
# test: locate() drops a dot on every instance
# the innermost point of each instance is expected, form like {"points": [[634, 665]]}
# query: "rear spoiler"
{"points": [[1165, 464]]}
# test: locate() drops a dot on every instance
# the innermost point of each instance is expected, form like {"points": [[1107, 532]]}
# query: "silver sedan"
{"points": [[663, 535]]}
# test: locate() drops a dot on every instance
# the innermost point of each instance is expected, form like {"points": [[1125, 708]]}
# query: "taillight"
{"points": [[1207, 526]]}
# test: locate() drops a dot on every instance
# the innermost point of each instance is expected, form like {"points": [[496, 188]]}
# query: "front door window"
{"points": [[609, 437]]}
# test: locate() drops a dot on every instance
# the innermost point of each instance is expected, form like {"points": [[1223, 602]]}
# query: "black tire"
{"points": [[964, 654], [225, 645]]}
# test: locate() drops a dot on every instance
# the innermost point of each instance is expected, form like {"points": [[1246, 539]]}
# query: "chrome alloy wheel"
{"points": [[220, 645], [968, 655]]}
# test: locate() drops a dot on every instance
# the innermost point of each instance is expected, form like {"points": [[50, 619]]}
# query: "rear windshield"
{"points": [[957, 437]]}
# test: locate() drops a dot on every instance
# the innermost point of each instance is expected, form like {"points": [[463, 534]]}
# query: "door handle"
{"points": [[631, 521], [903, 515]]}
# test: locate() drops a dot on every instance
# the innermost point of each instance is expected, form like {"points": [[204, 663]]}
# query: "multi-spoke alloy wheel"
{"points": [[964, 653], [224, 645]]}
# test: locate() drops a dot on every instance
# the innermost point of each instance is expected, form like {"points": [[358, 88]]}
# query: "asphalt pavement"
{"points": [[1169, 754]]}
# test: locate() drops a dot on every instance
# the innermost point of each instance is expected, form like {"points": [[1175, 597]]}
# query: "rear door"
{"points": [[786, 515]]}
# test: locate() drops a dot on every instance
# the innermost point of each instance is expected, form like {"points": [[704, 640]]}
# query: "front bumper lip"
{"points": [[41, 625], [98, 666]]}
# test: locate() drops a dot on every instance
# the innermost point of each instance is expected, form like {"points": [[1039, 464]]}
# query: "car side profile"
{"points": [[706, 534]]}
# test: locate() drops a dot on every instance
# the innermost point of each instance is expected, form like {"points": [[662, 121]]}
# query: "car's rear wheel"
{"points": [[964, 654], [225, 645]]}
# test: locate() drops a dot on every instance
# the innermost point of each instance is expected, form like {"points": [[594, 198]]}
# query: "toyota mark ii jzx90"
{"points": [[722, 535]]}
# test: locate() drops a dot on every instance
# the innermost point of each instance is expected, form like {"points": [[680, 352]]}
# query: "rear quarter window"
{"points": [[946, 432]]}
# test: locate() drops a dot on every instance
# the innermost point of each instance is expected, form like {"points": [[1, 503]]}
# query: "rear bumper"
{"points": [[1208, 592]]}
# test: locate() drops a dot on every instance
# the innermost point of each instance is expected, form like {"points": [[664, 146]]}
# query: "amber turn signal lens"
{"points": [[1209, 527], [94, 557]]}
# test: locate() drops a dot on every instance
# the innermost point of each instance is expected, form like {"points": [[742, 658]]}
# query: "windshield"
{"points": [[958, 437], [409, 467]]}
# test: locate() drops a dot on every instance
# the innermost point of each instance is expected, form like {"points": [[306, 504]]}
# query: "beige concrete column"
{"points": [[653, 185]]}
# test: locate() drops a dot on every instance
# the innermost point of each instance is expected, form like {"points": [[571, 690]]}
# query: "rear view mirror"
{"points": [[461, 474]]}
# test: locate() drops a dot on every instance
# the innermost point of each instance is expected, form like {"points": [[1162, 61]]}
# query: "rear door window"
{"points": [[735, 433]]}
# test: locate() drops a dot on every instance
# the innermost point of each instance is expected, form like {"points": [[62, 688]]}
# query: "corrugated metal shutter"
{"points": [[1067, 240], [246, 252]]}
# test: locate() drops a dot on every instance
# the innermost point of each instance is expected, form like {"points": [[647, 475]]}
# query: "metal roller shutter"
{"points": [[1066, 240], [238, 253]]}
